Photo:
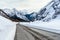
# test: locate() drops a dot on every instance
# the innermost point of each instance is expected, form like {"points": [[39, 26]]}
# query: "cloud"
{"points": [[24, 4]]}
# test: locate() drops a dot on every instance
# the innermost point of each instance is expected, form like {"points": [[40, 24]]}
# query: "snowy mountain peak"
{"points": [[15, 14], [51, 11]]}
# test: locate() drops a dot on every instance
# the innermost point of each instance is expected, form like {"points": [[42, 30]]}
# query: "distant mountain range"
{"points": [[49, 12]]}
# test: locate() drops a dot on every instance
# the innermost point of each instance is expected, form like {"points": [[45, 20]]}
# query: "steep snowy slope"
{"points": [[15, 14], [52, 10], [49, 12], [8, 11], [7, 29]]}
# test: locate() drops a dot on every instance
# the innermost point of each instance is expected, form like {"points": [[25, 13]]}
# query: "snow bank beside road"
{"points": [[7, 29], [53, 25]]}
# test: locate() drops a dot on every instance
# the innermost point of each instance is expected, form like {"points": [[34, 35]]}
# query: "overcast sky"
{"points": [[23, 4]]}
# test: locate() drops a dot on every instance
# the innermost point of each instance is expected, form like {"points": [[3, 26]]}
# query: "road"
{"points": [[26, 33]]}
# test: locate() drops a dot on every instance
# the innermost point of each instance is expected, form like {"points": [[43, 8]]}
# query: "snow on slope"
{"points": [[50, 11], [8, 11], [53, 25], [13, 12], [51, 21], [7, 29]]}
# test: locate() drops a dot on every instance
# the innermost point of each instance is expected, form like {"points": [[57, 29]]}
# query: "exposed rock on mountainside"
{"points": [[49, 12], [15, 17]]}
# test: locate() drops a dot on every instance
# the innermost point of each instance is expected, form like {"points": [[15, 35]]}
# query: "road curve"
{"points": [[26, 33]]}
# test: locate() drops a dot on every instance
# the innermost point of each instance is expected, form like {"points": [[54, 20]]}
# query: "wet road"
{"points": [[21, 34], [26, 33]]}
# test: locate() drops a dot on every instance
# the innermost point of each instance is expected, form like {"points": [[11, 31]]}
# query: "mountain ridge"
{"points": [[49, 12]]}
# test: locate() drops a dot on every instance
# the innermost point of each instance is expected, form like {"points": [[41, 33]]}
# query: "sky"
{"points": [[31, 5]]}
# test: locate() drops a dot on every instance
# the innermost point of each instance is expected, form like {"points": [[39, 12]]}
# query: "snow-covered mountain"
{"points": [[51, 11], [15, 14], [31, 16], [48, 18]]}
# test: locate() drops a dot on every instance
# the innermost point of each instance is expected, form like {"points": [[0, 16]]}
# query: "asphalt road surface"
{"points": [[27, 33]]}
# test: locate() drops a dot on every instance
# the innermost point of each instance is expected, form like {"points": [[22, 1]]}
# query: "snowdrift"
{"points": [[7, 29], [52, 26]]}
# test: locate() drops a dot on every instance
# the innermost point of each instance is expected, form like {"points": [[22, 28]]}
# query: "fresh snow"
{"points": [[49, 23], [19, 14], [53, 25], [7, 29]]}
